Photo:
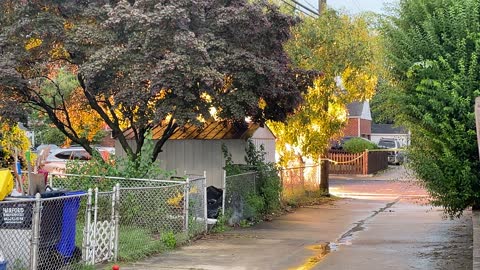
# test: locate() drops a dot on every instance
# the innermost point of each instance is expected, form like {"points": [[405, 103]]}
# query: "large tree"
{"points": [[434, 52], [144, 63], [347, 52]]}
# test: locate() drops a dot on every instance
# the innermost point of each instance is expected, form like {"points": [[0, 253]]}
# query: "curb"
{"points": [[476, 239]]}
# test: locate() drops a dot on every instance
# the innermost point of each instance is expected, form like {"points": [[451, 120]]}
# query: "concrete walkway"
{"points": [[373, 230]]}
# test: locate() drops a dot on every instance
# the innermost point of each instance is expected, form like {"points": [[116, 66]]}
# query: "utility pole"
{"points": [[322, 5]]}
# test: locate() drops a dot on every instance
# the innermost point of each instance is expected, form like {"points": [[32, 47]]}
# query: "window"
{"points": [[64, 155], [81, 155]]}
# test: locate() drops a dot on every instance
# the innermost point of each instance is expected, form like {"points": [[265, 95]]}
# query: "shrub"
{"points": [[358, 145], [169, 240], [266, 198], [143, 167]]}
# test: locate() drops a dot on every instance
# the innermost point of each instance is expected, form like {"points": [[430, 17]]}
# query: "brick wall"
{"points": [[366, 128], [351, 129]]}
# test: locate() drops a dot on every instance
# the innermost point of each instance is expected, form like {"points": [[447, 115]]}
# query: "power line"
{"points": [[304, 7], [308, 3], [294, 7]]}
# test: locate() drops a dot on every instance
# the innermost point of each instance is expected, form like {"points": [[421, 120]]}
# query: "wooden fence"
{"points": [[363, 163]]}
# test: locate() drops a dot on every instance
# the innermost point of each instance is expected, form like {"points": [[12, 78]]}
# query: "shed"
{"points": [[194, 149], [390, 131]]}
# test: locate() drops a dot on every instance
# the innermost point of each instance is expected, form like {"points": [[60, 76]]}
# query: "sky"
{"points": [[351, 6]]}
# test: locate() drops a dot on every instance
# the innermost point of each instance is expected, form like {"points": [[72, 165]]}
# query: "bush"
{"points": [[358, 145], [266, 198], [143, 168]]}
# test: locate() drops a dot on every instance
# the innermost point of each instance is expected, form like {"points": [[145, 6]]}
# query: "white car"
{"points": [[57, 160]]}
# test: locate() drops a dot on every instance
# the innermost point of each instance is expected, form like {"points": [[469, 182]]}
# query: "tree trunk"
{"points": [[324, 186]]}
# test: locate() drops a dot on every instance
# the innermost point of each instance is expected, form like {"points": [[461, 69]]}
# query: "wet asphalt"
{"points": [[378, 224]]}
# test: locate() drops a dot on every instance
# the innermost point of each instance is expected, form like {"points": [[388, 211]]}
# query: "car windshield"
{"points": [[387, 144]]}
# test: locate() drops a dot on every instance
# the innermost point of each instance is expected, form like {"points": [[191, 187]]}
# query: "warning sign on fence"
{"points": [[15, 215]]}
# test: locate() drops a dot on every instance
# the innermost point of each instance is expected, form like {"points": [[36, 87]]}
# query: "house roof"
{"points": [[209, 131], [355, 108], [359, 110], [387, 129]]}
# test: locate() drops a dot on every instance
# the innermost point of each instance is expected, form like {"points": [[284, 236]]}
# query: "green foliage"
{"points": [[143, 168], [245, 223], [137, 75], [348, 55], [49, 135], [266, 198], [221, 225], [433, 50], [358, 145], [136, 243], [169, 240], [255, 206]]}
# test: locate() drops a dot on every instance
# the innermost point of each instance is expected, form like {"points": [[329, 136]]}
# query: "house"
{"points": [[195, 150], [390, 131], [359, 123]]}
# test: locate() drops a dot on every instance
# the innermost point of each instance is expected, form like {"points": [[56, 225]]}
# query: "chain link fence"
{"points": [[125, 223], [238, 190], [197, 207], [43, 233], [105, 183], [298, 182]]}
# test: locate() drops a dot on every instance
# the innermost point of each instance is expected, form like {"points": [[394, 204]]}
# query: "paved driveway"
{"points": [[377, 225]]}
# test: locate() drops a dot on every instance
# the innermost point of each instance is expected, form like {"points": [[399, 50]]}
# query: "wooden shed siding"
{"points": [[197, 156]]}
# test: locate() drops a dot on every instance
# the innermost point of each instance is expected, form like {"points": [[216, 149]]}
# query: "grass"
{"points": [[309, 198], [137, 243]]}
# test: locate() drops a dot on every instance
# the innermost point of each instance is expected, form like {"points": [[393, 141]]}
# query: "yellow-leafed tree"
{"points": [[348, 54]]}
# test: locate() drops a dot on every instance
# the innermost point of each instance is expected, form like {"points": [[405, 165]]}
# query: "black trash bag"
{"points": [[214, 201]]}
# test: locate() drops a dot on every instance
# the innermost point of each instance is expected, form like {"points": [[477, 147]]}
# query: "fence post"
{"points": [[94, 237], [255, 183], [365, 162], [86, 249], [35, 233], [224, 191], [50, 180], [205, 202], [186, 203], [116, 209]]}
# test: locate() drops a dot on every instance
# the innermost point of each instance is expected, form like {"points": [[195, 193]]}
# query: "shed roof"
{"points": [[209, 131], [388, 129]]}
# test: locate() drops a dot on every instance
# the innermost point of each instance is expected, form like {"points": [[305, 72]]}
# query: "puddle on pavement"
{"points": [[322, 250]]}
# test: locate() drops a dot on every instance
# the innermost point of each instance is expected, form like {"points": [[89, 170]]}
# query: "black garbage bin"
{"points": [[50, 230], [18, 216]]}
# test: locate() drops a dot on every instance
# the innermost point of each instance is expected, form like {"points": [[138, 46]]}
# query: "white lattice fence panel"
{"points": [[101, 239]]}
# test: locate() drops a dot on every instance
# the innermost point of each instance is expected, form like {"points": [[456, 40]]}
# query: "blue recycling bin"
{"points": [[3, 265], [66, 245]]}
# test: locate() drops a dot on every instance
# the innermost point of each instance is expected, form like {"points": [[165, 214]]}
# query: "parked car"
{"points": [[41, 147], [396, 156], [57, 160]]}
